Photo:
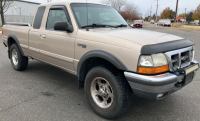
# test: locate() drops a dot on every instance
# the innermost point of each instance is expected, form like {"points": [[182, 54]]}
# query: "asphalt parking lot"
{"points": [[46, 93]]}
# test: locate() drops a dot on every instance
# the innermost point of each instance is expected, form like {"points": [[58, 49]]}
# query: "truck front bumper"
{"points": [[159, 86]]}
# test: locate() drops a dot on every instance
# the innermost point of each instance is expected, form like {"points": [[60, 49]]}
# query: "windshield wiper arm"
{"points": [[122, 25], [98, 25], [94, 25], [112, 26]]}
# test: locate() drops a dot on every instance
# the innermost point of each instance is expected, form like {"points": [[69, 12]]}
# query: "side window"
{"points": [[55, 16], [38, 17]]}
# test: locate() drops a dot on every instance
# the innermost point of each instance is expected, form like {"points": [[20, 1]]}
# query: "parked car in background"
{"points": [[196, 22], [159, 22], [152, 22], [164, 22], [167, 22], [137, 23]]}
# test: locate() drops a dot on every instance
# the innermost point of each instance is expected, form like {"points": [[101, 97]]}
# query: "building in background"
{"points": [[21, 11]]}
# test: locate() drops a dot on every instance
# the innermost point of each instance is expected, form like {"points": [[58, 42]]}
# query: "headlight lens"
{"points": [[146, 61], [159, 59], [153, 64]]}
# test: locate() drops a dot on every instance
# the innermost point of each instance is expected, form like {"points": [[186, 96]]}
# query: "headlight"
{"points": [[153, 64]]}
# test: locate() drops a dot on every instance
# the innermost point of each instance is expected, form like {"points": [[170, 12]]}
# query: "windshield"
{"points": [[137, 21], [90, 14]]}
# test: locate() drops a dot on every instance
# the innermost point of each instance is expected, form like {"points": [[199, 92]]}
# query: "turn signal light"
{"points": [[153, 70]]}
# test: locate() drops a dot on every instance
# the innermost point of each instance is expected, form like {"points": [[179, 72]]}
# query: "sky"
{"points": [[145, 5]]}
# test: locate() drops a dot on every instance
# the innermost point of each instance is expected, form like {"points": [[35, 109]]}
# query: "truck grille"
{"points": [[180, 58]]}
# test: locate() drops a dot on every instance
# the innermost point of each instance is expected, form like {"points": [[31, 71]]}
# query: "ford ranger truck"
{"points": [[110, 59]]}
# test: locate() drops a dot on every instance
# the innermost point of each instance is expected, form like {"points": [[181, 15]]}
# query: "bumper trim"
{"points": [[151, 86], [157, 80]]}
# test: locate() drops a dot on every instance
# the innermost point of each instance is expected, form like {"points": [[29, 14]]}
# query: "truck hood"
{"points": [[142, 37]]}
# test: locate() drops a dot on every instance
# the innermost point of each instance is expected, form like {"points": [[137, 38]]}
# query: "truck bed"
{"points": [[20, 31]]}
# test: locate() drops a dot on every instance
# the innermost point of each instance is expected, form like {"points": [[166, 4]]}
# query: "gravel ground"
{"points": [[46, 93]]}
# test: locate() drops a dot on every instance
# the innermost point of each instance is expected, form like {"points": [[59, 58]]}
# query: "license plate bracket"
{"points": [[189, 73]]}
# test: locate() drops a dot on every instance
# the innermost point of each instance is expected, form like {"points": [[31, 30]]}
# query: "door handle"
{"points": [[43, 36]]}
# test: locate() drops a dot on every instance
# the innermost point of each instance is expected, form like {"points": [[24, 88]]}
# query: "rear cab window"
{"points": [[39, 17]]}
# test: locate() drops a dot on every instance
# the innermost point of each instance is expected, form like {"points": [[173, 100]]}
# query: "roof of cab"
{"points": [[68, 2]]}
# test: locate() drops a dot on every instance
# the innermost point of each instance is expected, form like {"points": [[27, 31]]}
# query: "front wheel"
{"points": [[108, 94], [18, 61]]}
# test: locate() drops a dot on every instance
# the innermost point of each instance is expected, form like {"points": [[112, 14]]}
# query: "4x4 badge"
{"points": [[82, 45]]}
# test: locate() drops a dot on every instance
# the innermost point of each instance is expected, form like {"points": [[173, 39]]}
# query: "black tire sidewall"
{"points": [[114, 108]]}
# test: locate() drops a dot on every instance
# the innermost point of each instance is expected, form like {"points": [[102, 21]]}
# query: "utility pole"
{"points": [[185, 14], [176, 10], [150, 12], [157, 11]]}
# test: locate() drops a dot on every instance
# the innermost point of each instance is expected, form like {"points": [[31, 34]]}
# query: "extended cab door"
{"points": [[34, 33], [57, 47]]}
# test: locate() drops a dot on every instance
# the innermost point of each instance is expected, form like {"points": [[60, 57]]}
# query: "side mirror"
{"points": [[63, 26]]}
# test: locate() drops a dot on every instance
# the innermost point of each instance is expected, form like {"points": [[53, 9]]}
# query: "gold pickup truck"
{"points": [[110, 59]]}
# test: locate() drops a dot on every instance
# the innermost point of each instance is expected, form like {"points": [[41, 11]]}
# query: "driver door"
{"points": [[57, 47]]}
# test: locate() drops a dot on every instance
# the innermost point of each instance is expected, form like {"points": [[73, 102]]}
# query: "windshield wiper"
{"points": [[94, 25], [98, 25], [122, 25]]}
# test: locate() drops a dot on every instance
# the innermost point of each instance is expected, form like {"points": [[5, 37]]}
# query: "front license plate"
{"points": [[190, 73], [191, 69]]}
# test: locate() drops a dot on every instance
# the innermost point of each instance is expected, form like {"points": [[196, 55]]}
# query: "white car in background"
{"points": [[152, 22], [164, 22], [167, 22]]}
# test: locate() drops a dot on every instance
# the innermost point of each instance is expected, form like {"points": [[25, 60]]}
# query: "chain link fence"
{"points": [[18, 18]]}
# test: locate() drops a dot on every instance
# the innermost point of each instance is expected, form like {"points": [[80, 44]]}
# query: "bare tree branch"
{"points": [[116, 4], [4, 6]]}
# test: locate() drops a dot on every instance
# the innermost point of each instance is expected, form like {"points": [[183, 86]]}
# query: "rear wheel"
{"points": [[18, 61], [109, 95]]}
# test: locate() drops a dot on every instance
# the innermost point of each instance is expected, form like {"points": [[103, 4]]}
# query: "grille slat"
{"points": [[179, 58]]}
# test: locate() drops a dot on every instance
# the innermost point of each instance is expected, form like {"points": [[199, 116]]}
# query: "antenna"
{"points": [[87, 14]]}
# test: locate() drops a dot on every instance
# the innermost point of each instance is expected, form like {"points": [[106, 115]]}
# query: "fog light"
{"points": [[160, 95]]}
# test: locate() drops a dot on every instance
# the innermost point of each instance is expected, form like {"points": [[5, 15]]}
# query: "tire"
{"points": [[18, 61], [118, 91]]}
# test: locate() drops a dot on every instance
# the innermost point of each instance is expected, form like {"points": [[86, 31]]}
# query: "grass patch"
{"points": [[177, 25], [0, 28], [191, 27]]}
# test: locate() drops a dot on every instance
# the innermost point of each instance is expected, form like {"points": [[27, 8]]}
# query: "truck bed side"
{"points": [[18, 33]]}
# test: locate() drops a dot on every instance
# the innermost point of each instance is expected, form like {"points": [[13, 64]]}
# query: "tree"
{"points": [[126, 15], [196, 14], [132, 9], [165, 14], [154, 17], [189, 17], [116, 4], [146, 18], [4, 5], [182, 15], [172, 14]]}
